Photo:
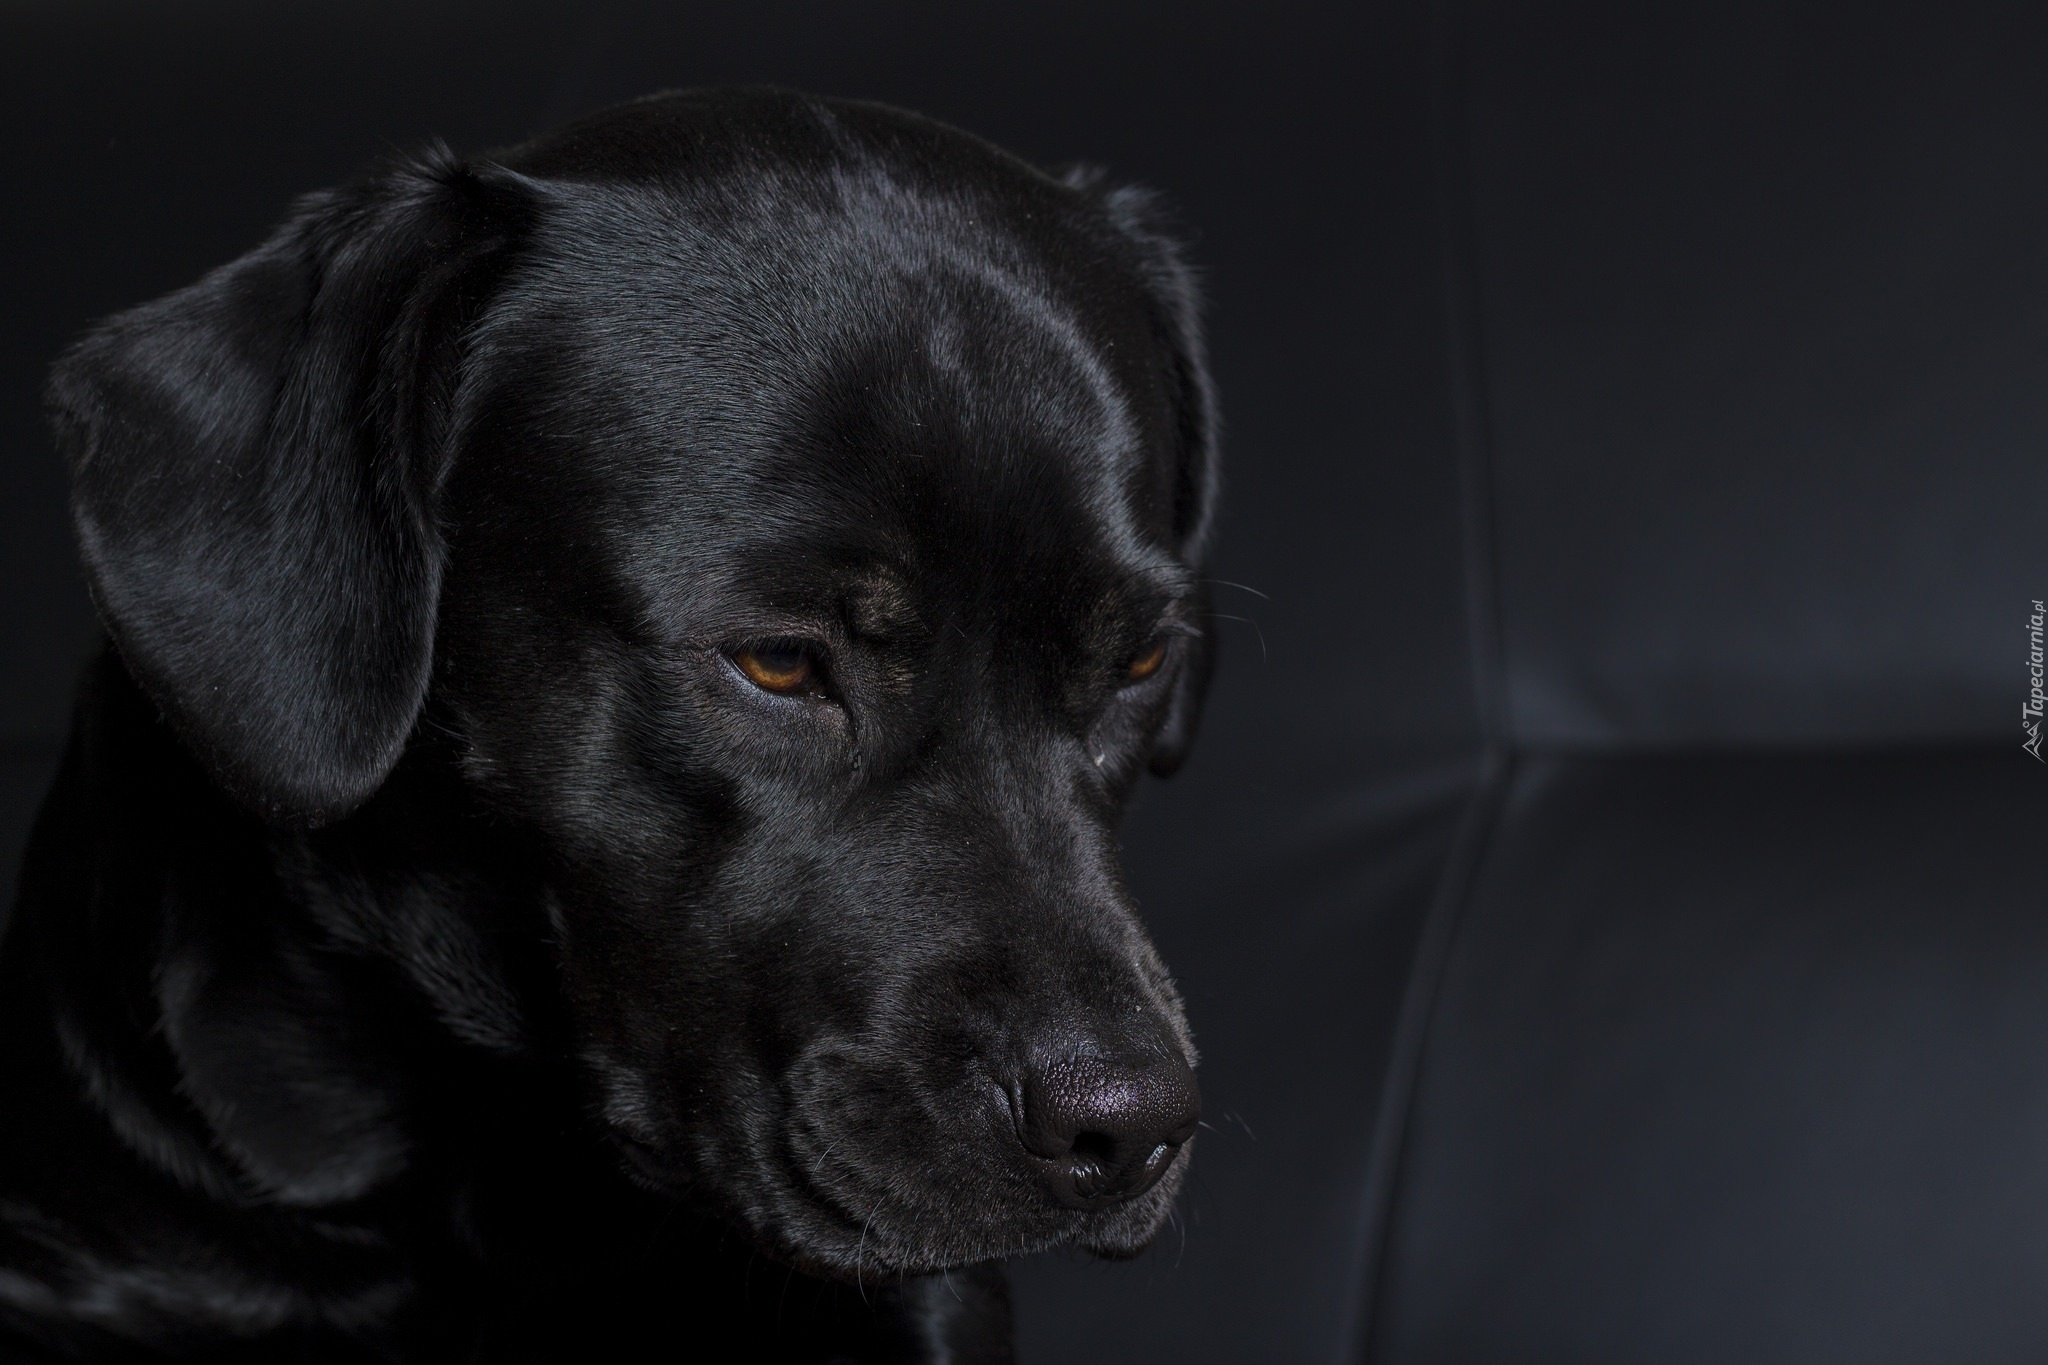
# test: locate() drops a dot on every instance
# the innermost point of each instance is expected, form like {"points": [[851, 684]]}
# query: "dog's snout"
{"points": [[1104, 1131]]}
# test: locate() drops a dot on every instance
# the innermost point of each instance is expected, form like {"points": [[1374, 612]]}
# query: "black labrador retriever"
{"points": [[594, 832]]}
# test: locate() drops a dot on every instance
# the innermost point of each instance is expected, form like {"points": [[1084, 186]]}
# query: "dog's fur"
{"points": [[434, 947]]}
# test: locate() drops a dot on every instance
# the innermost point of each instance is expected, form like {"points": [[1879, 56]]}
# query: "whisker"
{"points": [[1241, 587]]}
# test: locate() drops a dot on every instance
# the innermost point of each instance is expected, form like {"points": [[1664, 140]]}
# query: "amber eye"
{"points": [[778, 666], [1147, 663]]}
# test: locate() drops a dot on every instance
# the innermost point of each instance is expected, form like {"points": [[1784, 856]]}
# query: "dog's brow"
{"points": [[1168, 582], [879, 604]]}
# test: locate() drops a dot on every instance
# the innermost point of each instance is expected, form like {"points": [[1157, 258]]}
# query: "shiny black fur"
{"points": [[434, 948]]}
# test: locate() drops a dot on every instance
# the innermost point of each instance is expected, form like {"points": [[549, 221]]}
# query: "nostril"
{"points": [[1099, 1148]]}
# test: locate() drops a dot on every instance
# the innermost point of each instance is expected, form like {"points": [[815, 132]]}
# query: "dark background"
{"points": [[1607, 384]]}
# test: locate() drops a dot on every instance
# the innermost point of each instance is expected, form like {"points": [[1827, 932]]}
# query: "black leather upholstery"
{"points": [[1737, 1058], [1609, 892], [1759, 295], [1724, 1037], [1731, 1057]]}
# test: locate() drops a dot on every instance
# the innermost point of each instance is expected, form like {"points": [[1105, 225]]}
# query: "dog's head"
{"points": [[791, 513]]}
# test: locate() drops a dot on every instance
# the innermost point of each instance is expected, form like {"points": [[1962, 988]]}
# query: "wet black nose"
{"points": [[1103, 1131]]}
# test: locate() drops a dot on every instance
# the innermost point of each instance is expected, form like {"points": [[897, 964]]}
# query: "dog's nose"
{"points": [[1103, 1131]]}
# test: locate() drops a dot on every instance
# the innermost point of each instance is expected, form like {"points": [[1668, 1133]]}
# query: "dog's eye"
{"points": [[783, 667], [1147, 663]]}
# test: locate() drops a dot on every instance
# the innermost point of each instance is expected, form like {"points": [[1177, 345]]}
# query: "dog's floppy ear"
{"points": [[254, 463], [1176, 306]]}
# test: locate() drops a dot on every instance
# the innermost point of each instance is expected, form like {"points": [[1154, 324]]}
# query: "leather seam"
{"points": [[1442, 923]]}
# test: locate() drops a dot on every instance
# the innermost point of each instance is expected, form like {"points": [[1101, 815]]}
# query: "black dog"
{"points": [[594, 833]]}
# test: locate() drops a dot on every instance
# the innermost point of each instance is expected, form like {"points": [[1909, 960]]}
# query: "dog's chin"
{"points": [[1128, 1230], [815, 1233]]}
